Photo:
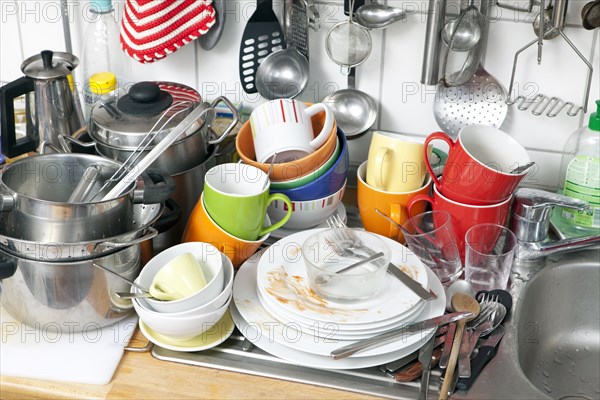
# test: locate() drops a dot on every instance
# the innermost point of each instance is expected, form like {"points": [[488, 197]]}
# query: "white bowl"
{"points": [[211, 260], [212, 305], [306, 214], [181, 328]]}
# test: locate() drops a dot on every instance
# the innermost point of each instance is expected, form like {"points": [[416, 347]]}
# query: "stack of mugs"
{"points": [[305, 155], [293, 174], [469, 202], [394, 172], [475, 190]]}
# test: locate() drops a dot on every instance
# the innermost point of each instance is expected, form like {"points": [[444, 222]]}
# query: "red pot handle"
{"points": [[433, 136]]}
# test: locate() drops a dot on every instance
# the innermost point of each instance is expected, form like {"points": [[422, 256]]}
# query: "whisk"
{"points": [[130, 169]]}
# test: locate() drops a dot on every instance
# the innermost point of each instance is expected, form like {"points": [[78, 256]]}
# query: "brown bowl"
{"points": [[293, 169]]}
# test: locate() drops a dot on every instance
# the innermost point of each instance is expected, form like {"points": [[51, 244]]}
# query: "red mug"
{"points": [[464, 216], [479, 163]]}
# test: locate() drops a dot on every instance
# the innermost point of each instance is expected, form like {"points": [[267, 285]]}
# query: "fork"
{"points": [[489, 307], [351, 240]]}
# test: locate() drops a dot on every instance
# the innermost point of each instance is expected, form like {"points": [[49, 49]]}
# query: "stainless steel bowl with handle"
{"points": [[67, 296]]}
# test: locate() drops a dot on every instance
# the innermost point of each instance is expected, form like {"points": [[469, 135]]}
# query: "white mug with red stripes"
{"points": [[283, 128]]}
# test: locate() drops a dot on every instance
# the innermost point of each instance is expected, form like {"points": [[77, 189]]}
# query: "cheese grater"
{"points": [[296, 25]]}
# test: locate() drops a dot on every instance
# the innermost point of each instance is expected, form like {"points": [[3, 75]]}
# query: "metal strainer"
{"points": [[348, 44]]}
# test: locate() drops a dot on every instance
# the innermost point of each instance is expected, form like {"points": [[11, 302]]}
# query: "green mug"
{"points": [[236, 197]]}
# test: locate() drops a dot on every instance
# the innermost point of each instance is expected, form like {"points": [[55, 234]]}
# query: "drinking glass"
{"points": [[430, 236], [490, 250]]}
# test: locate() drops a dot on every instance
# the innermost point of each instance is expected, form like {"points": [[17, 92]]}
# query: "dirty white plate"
{"points": [[263, 330], [330, 330], [292, 335], [214, 336], [282, 276]]}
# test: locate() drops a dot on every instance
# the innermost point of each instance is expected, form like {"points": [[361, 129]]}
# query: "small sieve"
{"points": [[348, 44]]}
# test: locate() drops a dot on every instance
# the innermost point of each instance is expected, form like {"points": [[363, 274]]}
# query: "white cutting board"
{"points": [[91, 357]]}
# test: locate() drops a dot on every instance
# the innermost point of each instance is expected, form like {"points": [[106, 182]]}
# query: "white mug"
{"points": [[283, 128]]}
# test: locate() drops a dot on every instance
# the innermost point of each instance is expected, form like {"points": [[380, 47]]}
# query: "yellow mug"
{"points": [[396, 163], [393, 204]]}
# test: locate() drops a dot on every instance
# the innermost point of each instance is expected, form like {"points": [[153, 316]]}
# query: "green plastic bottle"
{"points": [[580, 178]]}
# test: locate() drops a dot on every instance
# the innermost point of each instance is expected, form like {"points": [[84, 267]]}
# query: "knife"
{"points": [[390, 336], [425, 360], [486, 352], [410, 283], [447, 346], [394, 366]]}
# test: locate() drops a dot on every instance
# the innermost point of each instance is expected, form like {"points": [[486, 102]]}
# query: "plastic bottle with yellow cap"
{"points": [[101, 85]]}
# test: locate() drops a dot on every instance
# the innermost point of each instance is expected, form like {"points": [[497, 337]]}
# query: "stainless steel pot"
{"points": [[120, 125], [67, 296], [34, 191]]}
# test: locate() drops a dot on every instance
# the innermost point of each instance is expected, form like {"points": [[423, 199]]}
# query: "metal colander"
{"points": [[348, 44]]}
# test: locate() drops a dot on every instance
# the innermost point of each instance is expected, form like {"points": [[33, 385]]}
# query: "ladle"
{"points": [[354, 110], [460, 302], [282, 74], [378, 16], [463, 35]]}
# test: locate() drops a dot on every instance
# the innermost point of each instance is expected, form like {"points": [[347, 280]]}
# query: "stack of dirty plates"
{"points": [[278, 312]]}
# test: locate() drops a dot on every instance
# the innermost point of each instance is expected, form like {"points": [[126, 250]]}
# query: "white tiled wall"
{"points": [[391, 74]]}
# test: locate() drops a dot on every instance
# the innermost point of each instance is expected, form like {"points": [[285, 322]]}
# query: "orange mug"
{"points": [[202, 228], [392, 204]]}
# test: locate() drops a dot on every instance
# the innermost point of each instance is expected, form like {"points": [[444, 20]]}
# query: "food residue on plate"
{"points": [[292, 289]]}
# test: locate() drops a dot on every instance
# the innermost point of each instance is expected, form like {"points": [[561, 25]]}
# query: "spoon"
{"points": [[520, 169], [378, 16], [458, 286], [321, 279], [460, 302], [269, 173], [113, 273]]}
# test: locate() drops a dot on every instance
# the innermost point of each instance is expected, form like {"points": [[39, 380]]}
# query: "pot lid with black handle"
{"points": [[124, 121], [49, 65]]}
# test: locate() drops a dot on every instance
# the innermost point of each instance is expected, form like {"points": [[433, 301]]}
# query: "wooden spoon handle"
{"points": [[460, 327]]}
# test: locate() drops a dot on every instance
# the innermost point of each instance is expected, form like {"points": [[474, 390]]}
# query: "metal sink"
{"points": [[552, 346], [558, 329]]}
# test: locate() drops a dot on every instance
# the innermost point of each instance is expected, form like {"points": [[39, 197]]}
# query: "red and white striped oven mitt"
{"points": [[153, 29]]}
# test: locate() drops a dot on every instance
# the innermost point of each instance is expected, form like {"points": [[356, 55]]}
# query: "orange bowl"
{"points": [[290, 170]]}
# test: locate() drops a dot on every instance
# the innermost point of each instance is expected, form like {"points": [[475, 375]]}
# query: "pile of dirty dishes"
{"points": [[191, 288], [276, 308], [305, 155]]}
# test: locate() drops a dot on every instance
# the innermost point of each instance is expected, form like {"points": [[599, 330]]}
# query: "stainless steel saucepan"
{"points": [[34, 193]]}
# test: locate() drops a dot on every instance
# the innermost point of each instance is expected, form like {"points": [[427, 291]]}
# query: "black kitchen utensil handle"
{"points": [[264, 3], [11, 146], [169, 218], [162, 188], [7, 268], [485, 354]]}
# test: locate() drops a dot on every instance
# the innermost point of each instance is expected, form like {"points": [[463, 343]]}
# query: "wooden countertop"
{"points": [[141, 376]]}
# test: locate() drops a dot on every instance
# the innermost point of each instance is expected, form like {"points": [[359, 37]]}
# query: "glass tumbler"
{"points": [[490, 250], [430, 236]]}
